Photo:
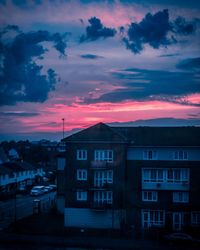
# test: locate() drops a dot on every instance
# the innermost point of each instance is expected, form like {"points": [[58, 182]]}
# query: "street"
{"points": [[23, 206]]}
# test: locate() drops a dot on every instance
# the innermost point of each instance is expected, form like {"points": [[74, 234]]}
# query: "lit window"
{"points": [[180, 155], [81, 195], [181, 197], [103, 155], [81, 174], [149, 196], [81, 154], [150, 155]]}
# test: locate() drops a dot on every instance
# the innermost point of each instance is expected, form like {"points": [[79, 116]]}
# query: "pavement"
{"points": [[46, 231]]}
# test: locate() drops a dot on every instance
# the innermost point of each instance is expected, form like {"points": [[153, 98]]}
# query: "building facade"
{"points": [[138, 179]]}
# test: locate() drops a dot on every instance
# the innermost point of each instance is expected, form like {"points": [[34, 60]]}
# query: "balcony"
{"points": [[182, 185], [101, 165], [100, 205]]}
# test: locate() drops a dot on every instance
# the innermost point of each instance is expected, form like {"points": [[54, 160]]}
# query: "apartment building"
{"points": [[131, 178]]}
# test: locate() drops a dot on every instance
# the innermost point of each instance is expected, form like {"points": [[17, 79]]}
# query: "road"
{"points": [[23, 206]]}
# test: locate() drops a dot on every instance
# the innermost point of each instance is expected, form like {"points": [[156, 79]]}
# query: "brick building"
{"points": [[131, 178]]}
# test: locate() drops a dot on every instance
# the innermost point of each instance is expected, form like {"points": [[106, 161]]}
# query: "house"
{"points": [[17, 175], [143, 179]]}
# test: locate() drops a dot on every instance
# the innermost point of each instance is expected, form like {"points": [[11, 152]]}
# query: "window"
{"points": [[181, 197], [81, 154], [103, 177], [103, 155], [195, 218], [178, 175], [152, 218], [81, 174], [150, 155], [105, 197], [153, 175], [181, 155], [81, 195], [149, 196], [171, 175], [61, 163]]}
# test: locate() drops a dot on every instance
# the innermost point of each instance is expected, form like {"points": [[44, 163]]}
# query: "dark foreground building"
{"points": [[138, 179]]}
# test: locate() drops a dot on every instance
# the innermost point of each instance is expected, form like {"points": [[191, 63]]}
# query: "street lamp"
{"points": [[63, 120], [15, 202]]}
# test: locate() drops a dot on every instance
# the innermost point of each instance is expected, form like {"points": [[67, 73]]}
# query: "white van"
{"points": [[37, 190]]}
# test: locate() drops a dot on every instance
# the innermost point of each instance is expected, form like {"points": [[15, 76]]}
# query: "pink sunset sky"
{"points": [[97, 61]]}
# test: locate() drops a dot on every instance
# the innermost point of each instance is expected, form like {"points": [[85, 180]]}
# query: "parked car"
{"points": [[47, 189], [37, 190], [53, 186], [181, 239]]}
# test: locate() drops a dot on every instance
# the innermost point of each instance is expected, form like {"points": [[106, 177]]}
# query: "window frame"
{"points": [[81, 154], [104, 155], [151, 196], [181, 155], [153, 218], [150, 154], [80, 174], [80, 196], [103, 197], [195, 218], [166, 175], [180, 197], [102, 177]]}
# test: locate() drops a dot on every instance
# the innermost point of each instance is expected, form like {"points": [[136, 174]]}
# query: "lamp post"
{"points": [[15, 202], [63, 120]]}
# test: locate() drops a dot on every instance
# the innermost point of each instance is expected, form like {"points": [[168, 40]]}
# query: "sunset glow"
{"points": [[97, 61]]}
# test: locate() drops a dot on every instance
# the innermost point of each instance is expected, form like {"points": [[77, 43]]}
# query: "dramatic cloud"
{"points": [[90, 56], [151, 30], [157, 30], [21, 79], [190, 64], [145, 85], [96, 30]]}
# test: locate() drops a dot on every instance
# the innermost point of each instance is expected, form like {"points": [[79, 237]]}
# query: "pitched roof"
{"points": [[139, 136], [99, 132], [161, 136]]}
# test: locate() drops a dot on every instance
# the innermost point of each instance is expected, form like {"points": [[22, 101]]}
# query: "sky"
{"points": [[125, 63]]}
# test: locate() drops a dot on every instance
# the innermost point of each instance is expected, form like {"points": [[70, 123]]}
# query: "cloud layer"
{"points": [[145, 85]]}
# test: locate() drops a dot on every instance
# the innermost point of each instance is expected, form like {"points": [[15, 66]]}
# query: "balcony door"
{"points": [[177, 221]]}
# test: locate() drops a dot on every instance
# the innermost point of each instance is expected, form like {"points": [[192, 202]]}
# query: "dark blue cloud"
{"points": [[152, 30], [157, 30], [182, 27], [189, 64], [169, 55], [21, 78], [90, 56], [96, 30], [24, 114], [145, 85]]}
